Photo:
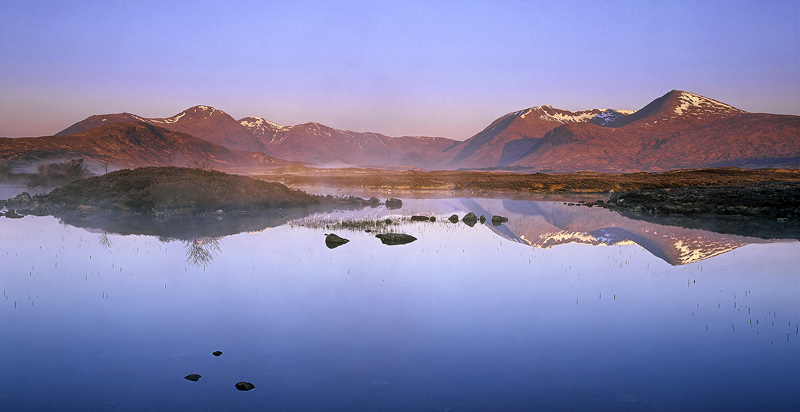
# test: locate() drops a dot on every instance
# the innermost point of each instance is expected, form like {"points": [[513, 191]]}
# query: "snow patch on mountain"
{"points": [[696, 104]]}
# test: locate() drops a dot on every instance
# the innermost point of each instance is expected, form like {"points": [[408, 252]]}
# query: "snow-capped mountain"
{"points": [[677, 130], [511, 136]]}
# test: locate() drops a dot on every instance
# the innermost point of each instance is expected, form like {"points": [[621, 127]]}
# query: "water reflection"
{"points": [[539, 224], [200, 251]]}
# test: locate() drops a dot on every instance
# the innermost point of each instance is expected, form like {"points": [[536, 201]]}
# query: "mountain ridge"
{"points": [[676, 130]]}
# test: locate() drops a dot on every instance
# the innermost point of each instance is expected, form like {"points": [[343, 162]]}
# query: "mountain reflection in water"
{"points": [[540, 224]]}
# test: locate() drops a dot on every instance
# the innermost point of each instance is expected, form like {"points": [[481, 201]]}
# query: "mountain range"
{"points": [[677, 130]]}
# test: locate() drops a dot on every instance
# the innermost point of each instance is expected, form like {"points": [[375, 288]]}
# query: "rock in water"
{"points": [[483, 219], [192, 377], [217, 353], [395, 238], [470, 219], [417, 218], [244, 386], [497, 220], [453, 219], [333, 241], [393, 203]]}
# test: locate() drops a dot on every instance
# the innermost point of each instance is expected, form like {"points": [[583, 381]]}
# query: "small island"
{"points": [[175, 192]]}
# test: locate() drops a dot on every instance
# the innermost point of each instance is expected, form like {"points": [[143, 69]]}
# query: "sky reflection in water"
{"points": [[461, 319]]}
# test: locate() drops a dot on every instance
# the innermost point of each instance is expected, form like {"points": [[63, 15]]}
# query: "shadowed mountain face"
{"points": [[130, 144], [677, 130]]}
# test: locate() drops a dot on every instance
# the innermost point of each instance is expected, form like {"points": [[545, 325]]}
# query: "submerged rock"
{"points": [[395, 238], [497, 220], [453, 219], [217, 353], [470, 219], [334, 241], [393, 203], [244, 386], [192, 377]]}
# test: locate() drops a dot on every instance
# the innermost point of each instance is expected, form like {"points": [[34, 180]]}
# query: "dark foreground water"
{"points": [[561, 308]]}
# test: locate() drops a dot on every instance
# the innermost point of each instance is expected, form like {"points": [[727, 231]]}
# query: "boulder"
{"points": [[417, 218], [470, 219], [374, 202], [393, 203], [453, 219], [192, 377], [395, 238], [217, 353], [497, 220], [244, 386], [433, 218], [483, 219], [334, 241]]}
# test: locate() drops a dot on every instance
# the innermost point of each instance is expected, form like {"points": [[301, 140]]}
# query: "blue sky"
{"points": [[442, 68]]}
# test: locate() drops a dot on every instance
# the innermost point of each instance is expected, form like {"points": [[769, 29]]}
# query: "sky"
{"points": [[433, 68]]}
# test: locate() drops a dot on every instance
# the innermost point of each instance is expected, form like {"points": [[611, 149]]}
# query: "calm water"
{"points": [[561, 308]]}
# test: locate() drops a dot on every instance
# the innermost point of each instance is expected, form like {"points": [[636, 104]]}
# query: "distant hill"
{"points": [[130, 144]]}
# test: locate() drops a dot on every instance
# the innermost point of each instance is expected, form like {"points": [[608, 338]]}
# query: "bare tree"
{"points": [[203, 164], [104, 162]]}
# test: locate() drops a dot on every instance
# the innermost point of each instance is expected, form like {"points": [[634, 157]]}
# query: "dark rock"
{"points": [[483, 219], [470, 219], [393, 203], [388, 221], [417, 218], [453, 219], [497, 220], [12, 214], [433, 218], [395, 238], [244, 386], [192, 377], [333, 241], [217, 353]]}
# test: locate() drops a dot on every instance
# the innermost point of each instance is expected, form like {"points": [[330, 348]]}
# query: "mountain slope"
{"points": [[130, 144], [511, 136], [677, 130], [317, 143], [204, 122]]}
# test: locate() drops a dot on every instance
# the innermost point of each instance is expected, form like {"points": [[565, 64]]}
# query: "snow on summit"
{"points": [[696, 104]]}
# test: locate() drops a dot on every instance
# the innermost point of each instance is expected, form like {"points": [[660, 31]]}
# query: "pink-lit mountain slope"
{"points": [[678, 130]]}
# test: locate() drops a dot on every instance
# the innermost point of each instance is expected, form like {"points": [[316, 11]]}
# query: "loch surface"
{"points": [[560, 308]]}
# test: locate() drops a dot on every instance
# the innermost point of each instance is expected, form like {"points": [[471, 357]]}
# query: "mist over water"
{"points": [[560, 308]]}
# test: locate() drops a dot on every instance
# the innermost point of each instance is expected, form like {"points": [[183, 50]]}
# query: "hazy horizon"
{"points": [[412, 68]]}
